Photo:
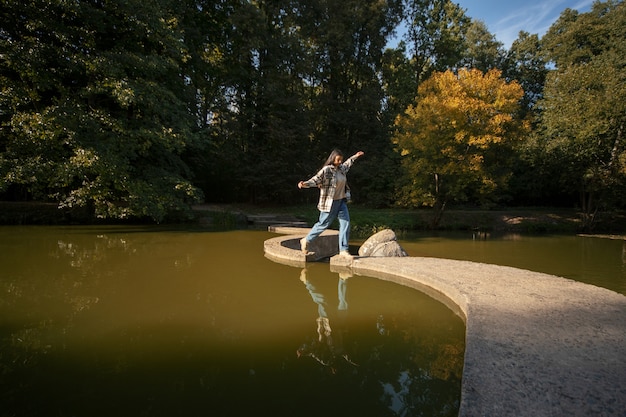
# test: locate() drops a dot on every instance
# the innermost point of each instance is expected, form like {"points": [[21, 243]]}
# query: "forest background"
{"points": [[140, 109]]}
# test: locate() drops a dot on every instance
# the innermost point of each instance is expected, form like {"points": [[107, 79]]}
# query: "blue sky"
{"points": [[506, 18]]}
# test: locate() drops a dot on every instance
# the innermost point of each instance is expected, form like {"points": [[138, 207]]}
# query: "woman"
{"points": [[332, 182]]}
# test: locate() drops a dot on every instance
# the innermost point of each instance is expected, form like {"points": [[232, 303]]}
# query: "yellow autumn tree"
{"points": [[456, 140]]}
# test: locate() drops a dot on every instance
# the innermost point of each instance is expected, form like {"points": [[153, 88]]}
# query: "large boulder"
{"points": [[383, 243]]}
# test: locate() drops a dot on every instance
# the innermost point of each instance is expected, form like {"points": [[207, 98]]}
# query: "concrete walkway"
{"points": [[536, 344]]}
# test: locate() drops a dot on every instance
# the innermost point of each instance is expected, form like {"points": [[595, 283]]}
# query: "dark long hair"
{"points": [[331, 157]]}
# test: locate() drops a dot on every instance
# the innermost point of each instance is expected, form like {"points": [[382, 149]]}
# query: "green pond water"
{"points": [[164, 321], [157, 321]]}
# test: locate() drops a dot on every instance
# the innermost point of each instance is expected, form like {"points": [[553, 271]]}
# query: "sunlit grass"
{"points": [[365, 221]]}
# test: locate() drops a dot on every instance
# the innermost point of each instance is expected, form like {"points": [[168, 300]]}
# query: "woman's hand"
{"points": [[301, 184], [359, 154]]}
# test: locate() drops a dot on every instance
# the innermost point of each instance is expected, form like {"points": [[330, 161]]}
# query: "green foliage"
{"points": [[525, 63], [400, 83], [584, 111], [92, 114], [138, 109], [436, 31], [483, 51]]}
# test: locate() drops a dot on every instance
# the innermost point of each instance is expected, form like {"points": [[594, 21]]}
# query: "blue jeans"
{"points": [[339, 210]]}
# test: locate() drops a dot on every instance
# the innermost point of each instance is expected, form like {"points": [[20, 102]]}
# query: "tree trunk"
{"points": [[589, 209], [440, 203]]}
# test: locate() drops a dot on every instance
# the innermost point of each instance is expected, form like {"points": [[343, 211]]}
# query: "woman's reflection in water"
{"points": [[328, 348]]}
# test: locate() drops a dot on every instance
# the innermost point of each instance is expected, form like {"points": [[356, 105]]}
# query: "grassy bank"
{"points": [[366, 221]]}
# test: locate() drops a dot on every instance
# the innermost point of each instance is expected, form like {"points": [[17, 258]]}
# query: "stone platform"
{"points": [[536, 344], [286, 249]]}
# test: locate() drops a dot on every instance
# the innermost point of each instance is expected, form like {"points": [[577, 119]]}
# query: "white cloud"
{"points": [[535, 19]]}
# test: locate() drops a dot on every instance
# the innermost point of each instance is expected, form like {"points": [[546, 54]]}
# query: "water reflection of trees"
{"points": [[42, 300], [57, 328], [419, 376], [400, 363], [53, 282]]}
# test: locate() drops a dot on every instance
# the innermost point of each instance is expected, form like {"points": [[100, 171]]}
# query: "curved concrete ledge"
{"points": [[536, 344], [287, 249]]}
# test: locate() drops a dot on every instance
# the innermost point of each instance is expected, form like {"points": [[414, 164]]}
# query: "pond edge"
{"points": [[536, 344]]}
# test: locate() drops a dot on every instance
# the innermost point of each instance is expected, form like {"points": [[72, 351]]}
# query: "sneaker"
{"points": [[304, 245], [345, 254]]}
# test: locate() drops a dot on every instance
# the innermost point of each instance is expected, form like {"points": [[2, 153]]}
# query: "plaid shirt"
{"points": [[326, 181]]}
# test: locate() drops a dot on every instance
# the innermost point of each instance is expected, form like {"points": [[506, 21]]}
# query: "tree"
{"points": [[526, 63], [299, 78], [210, 38], [584, 105], [456, 138], [94, 113], [482, 50], [399, 81], [435, 35], [344, 48]]}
